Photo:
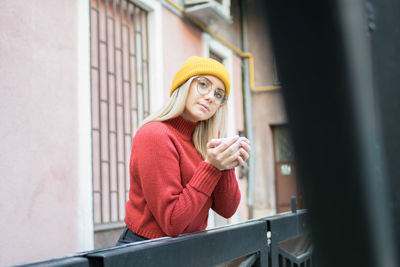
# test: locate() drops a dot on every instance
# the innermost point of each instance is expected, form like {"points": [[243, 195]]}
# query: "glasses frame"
{"points": [[196, 78]]}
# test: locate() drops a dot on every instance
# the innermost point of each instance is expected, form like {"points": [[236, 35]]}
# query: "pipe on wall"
{"points": [[244, 55]]}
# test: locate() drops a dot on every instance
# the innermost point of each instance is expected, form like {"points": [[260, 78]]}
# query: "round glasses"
{"points": [[204, 87]]}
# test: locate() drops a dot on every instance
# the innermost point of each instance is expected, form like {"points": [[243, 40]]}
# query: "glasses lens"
{"points": [[219, 96], [204, 86]]}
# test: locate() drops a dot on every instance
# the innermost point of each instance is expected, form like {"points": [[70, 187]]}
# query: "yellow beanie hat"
{"points": [[194, 66]]}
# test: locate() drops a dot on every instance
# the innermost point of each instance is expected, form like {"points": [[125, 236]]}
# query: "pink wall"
{"points": [[237, 81], [180, 40], [39, 130]]}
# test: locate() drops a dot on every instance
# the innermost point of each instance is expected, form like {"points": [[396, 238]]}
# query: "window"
{"points": [[215, 56], [120, 100], [283, 145]]}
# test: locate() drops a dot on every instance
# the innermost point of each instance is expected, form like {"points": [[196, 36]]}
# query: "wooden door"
{"points": [[285, 170]]}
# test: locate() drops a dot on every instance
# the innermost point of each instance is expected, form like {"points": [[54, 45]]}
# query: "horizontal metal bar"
{"points": [[249, 261], [206, 248], [61, 262], [222, 245]]}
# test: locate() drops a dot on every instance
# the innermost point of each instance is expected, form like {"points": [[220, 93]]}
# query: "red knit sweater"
{"points": [[171, 188]]}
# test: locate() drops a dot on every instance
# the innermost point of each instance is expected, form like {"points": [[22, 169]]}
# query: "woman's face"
{"points": [[206, 95]]}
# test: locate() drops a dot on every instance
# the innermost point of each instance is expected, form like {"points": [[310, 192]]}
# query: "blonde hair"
{"points": [[205, 130]]}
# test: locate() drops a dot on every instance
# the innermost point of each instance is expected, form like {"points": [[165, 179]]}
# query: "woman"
{"points": [[179, 169]]}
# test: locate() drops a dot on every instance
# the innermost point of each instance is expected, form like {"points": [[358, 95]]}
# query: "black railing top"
{"points": [[205, 248]]}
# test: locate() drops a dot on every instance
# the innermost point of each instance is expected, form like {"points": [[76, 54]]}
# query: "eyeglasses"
{"points": [[204, 87]]}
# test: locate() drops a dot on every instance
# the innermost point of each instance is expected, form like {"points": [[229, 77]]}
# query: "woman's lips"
{"points": [[204, 107]]}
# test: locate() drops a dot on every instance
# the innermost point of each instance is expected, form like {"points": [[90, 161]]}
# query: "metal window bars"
{"points": [[120, 100]]}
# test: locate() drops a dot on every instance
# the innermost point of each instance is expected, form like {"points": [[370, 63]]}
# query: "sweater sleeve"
{"points": [[157, 166], [226, 195]]}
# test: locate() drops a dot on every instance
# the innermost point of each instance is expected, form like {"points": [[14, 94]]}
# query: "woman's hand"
{"points": [[244, 151], [229, 154]]}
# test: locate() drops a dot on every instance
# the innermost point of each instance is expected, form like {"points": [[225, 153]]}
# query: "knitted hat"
{"points": [[194, 66]]}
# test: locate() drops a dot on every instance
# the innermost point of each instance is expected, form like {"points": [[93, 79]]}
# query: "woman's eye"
{"points": [[203, 84], [218, 95]]}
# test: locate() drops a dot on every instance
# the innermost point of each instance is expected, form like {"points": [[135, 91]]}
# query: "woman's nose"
{"points": [[210, 95]]}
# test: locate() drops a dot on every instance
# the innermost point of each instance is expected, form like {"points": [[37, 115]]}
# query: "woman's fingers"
{"points": [[213, 143], [228, 153], [246, 146], [226, 143], [241, 161], [243, 154]]}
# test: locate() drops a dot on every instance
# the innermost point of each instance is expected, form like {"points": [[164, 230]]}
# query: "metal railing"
{"points": [[252, 243]]}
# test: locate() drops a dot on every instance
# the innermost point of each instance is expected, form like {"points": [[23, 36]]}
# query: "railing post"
{"points": [[293, 204]]}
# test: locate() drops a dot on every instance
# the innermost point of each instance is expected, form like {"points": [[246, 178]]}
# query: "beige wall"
{"points": [[267, 109], [43, 134], [259, 44]]}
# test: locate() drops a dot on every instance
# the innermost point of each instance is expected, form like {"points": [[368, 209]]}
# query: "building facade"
{"points": [[77, 77]]}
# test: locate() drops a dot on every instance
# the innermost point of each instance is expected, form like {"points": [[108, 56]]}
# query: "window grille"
{"points": [[120, 100]]}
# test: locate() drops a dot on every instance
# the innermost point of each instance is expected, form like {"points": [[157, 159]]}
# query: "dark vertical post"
{"points": [[346, 164], [384, 26], [293, 204]]}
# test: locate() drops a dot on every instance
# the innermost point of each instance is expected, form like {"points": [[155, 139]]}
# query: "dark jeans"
{"points": [[128, 236]]}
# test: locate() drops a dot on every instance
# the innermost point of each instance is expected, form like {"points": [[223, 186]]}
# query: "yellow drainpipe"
{"points": [[235, 49]]}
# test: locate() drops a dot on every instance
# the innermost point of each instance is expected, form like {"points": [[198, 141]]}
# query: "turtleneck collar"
{"points": [[184, 127]]}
